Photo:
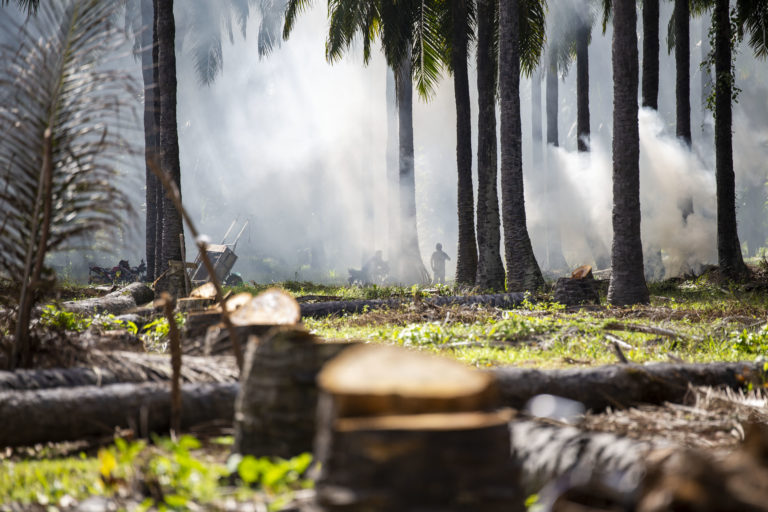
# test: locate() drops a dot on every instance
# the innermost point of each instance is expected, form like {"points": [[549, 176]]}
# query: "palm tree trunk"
{"points": [[466, 258], [728, 246], [150, 132], [582, 89], [393, 218], [682, 66], [651, 54], [536, 124], [523, 271], [552, 102], [490, 269], [169, 143], [627, 279], [159, 190], [554, 254], [411, 266]]}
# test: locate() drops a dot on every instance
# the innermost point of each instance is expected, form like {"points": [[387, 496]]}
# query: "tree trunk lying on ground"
{"points": [[622, 385], [320, 309], [116, 303], [105, 368], [597, 388], [31, 417]]}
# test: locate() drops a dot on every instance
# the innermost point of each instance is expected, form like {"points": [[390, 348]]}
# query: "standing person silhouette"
{"points": [[437, 263]]}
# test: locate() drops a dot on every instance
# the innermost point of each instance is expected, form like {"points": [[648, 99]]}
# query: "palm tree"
{"points": [[728, 246], [627, 278], [60, 143], [490, 269], [681, 18], [460, 17], [651, 54], [523, 271], [414, 53]]}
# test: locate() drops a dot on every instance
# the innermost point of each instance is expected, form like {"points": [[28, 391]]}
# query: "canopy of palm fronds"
{"points": [[66, 114]]}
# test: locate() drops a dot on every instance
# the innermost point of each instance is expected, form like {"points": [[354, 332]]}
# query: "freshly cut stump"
{"points": [[276, 405], [403, 430], [374, 380]]}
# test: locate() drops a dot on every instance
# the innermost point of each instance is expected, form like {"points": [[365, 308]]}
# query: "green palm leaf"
{"points": [[65, 115]]}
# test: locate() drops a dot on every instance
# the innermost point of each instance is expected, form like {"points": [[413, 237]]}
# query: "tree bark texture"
{"points": [[627, 277], [728, 247], [682, 70], [276, 407], [466, 258], [50, 415], [169, 144], [151, 148], [393, 199], [582, 89], [490, 269], [651, 54], [105, 368], [552, 101], [116, 303], [536, 122], [411, 266], [321, 309], [159, 189], [523, 271], [623, 385]]}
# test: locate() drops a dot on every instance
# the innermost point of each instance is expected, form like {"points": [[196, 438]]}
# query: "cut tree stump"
{"points": [[404, 430], [623, 385], [580, 288], [275, 410], [116, 303], [321, 309], [49, 415]]}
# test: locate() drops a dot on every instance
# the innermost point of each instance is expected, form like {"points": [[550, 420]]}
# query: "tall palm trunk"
{"points": [[523, 271], [393, 218], [554, 254], [466, 258], [582, 88], [159, 190], [411, 266], [651, 54], [682, 71], [490, 269], [627, 278], [728, 246], [536, 124], [151, 150], [552, 102], [169, 142]]}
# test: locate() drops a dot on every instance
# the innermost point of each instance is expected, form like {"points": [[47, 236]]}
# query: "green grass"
{"points": [[174, 475]]}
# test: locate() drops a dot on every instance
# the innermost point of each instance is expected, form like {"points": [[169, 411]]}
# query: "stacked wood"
{"points": [[321, 309], [623, 385], [405, 430], [116, 303], [39, 416], [578, 289], [275, 409]]}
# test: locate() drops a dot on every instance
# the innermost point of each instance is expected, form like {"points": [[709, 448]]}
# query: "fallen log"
{"points": [[622, 385], [31, 417], [320, 309], [105, 368], [116, 303]]}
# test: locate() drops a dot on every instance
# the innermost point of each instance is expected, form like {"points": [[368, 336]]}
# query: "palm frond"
{"points": [[533, 38], [292, 10], [430, 52], [66, 114], [752, 16], [607, 9], [29, 6]]}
